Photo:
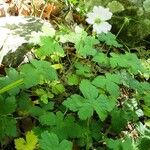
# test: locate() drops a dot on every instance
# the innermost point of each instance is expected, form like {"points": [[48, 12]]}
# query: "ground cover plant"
{"points": [[85, 89]]}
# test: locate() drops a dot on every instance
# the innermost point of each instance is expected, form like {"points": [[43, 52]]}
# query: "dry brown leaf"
{"points": [[49, 10]]}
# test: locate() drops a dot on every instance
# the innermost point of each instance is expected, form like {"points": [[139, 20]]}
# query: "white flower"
{"points": [[98, 18]]}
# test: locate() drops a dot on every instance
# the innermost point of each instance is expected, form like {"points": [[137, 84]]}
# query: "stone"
{"points": [[18, 34]]}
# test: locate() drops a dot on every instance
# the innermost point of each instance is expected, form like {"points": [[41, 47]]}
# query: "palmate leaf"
{"points": [[47, 119], [78, 103], [24, 102], [45, 69], [109, 82], [118, 120], [72, 79], [119, 144], [146, 5], [67, 124], [7, 105], [88, 90], [128, 60], [83, 70], [30, 79], [101, 58], [48, 47], [109, 39], [75, 102], [48, 106], [86, 111], [58, 123], [103, 106], [74, 37], [147, 99], [7, 127], [50, 141], [36, 72], [11, 77], [84, 44], [36, 111], [92, 101], [144, 143], [44, 95], [115, 6], [29, 144], [58, 88]]}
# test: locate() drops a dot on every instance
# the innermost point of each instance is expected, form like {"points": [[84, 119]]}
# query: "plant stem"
{"points": [[11, 86], [88, 27], [33, 6], [87, 139], [124, 23]]}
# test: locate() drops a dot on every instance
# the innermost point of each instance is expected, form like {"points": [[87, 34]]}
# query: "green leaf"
{"points": [[147, 123], [146, 5], [44, 98], [29, 144], [47, 119], [95, 129], [128, 144], [48, 106], [50, 141], [120, 144], [109, 83], [11, 82], [78, 103], [101, 58], [88, 90], [115, 6], [146, 110], [144, 143], [75, 102], [58, 88], [86, 106], [45, 69], [7, 105], [11, 86], [146, 66], [118, 120], [99, 81], [7, 127], [113, 144], [103, 105], [72, 79], [147, 99], [36, 111], [24, 102], [109, 39], [41, 71], [67, 124], [74, 37], [29, 80], [49, 47], [85, 112], [44, 95], [124, 61], [85, 46], [83, 69]]}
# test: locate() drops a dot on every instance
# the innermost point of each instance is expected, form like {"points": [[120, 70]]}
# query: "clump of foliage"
{"points": [[82, 91], [137, 12]]}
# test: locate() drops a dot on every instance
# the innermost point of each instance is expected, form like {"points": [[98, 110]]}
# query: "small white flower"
{"points": [[98, 18]]}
